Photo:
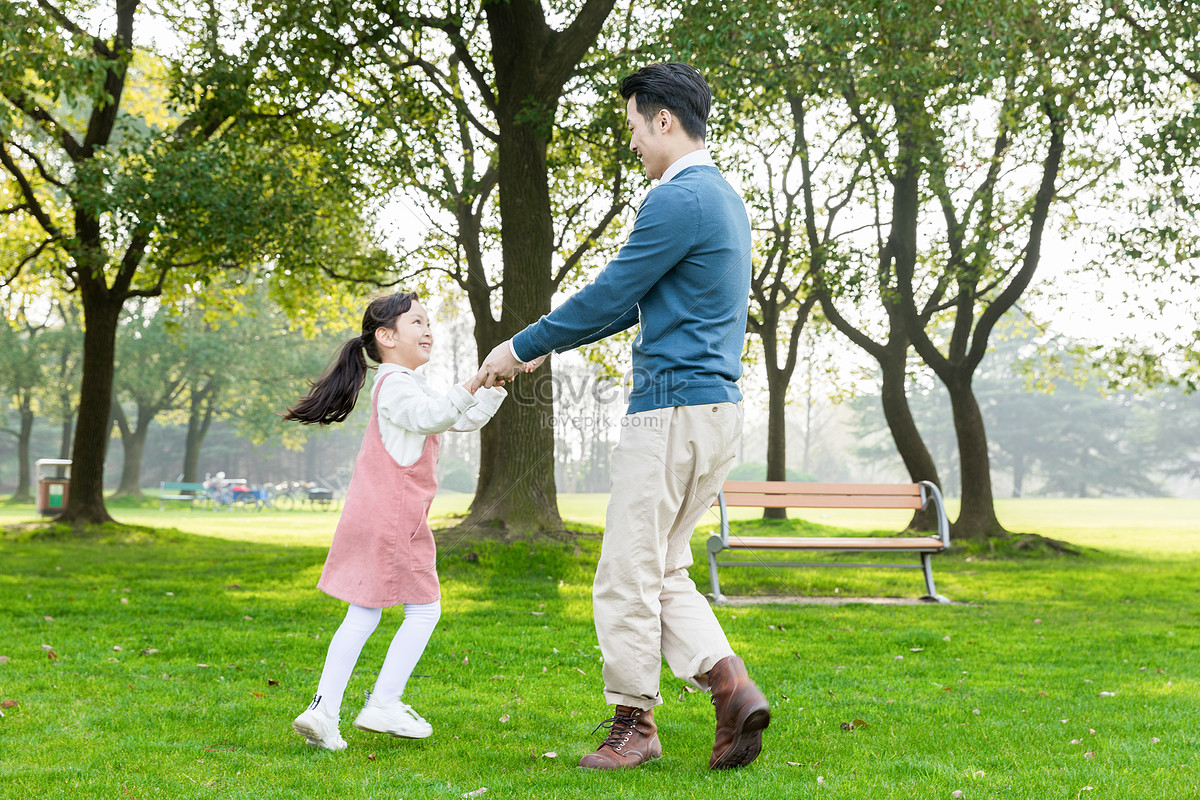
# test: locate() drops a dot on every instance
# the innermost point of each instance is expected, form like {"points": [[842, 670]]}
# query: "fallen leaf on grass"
{"points": [[9, 704], [474, 793], [370, 756], [4, 659], [272, 682], [149, 651], [504, 718], [551, 754], [792, 763]]}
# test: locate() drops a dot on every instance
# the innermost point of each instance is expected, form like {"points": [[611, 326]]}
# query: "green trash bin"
{"points": [[52, 490]]}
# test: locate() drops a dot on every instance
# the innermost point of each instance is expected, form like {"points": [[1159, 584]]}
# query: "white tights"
{"points": [[405, 650]]}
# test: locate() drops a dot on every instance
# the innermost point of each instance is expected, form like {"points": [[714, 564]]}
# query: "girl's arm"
{"points": [[487, 404], [406, 404]]}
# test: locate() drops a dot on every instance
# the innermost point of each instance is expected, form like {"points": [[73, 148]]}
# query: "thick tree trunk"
{"points": [[516, 490], [68, 427], [133, 443], [977, 515], [101, 311], [200, 417], [1018, 474], [24, 493], [913, 452], [776, 433]]}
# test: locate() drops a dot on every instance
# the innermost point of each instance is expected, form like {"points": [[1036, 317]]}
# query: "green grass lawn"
{"points": [[169, 663]]}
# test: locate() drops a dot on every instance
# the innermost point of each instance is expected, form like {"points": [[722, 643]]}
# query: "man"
{"points": [[684, 274]]}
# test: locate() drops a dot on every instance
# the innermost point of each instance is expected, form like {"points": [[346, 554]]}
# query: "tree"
{"points": [[1150, 235], [145, 176], [149, 377], [967, 113], [22, 355], [480, 95]]}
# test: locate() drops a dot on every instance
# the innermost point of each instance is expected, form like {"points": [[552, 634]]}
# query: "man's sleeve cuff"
{"points": [[512, 348]]}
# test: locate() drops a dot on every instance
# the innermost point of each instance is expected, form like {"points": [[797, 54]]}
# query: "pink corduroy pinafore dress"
{"points": [[383, 553]]}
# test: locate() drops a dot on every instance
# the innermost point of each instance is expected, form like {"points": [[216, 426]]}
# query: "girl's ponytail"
{"points": [[333, 395]]}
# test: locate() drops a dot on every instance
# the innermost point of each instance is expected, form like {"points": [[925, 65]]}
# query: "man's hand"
{"points": [[500, 367]]}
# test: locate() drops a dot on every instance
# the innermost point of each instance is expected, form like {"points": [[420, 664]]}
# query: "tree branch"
{"points": [[98, 45], [31, 200]]}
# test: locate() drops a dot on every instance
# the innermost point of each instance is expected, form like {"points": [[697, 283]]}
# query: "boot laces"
{"points": [[619, 731]]}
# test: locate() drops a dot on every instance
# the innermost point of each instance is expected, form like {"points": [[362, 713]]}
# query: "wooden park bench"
{"points": [[780, 494], [184, 492]]}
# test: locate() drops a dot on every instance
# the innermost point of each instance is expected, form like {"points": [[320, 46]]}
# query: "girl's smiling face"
{"points": [[409, 341]]}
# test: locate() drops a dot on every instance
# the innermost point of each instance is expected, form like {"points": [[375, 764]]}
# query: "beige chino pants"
{"points": [[667, 469]]}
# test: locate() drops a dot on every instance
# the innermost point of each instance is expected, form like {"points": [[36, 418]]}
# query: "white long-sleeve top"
{"points": [[409, 410]]}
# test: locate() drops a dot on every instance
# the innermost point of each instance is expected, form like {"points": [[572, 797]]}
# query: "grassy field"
{"points": [[168, 661]]}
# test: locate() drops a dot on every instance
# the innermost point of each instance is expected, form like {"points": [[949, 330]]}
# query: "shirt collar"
{"points": [[696, 158], [386, 368]]}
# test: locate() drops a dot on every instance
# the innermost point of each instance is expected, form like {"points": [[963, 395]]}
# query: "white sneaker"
{"points": [[319, 728], [397, 718]]}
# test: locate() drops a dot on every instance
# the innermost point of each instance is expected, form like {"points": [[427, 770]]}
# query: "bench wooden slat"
{"points": [[835, 543], [821, 501], [797, 488]]}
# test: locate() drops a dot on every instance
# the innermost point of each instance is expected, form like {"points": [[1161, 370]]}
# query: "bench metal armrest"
{"points": [[931, 494], [724, 519]]}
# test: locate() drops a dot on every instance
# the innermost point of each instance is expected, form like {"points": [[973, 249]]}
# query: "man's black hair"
{"points": [[679, 88]]}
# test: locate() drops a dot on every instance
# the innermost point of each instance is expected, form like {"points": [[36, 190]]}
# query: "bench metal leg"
{"points": [[927, 568], [712, 569]]}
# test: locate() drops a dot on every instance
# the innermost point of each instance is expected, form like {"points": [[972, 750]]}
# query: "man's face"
{"points": [[647, 139]]}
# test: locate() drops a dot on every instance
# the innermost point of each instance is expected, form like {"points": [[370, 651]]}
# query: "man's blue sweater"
{"points": [[684, 273]]}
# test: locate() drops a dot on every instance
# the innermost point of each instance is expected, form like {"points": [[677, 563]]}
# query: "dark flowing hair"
{"points": [[331, 397]]}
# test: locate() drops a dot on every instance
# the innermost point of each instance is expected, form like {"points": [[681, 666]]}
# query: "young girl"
{"points": [[383, 552]]}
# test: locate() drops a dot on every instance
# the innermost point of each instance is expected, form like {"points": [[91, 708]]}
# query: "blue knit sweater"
{"points": [[684, 274]]}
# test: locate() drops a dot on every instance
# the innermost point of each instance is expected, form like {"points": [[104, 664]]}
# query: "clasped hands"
{"points": [[500, 367]]}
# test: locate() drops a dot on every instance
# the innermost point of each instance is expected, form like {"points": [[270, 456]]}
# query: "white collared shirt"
{"points": [[696, 158], [409, 410]]}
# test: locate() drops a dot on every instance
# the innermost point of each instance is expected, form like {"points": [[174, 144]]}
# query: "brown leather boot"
{"points": [[742, 714], [632, 740]]}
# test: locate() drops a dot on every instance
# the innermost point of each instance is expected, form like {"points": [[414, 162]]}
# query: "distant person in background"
{"points": [[383, 553], [684, 275]]}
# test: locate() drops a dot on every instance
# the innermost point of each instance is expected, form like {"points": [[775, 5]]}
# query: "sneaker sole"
{"points": [[747, 741], [311, 737], [394, 733]]}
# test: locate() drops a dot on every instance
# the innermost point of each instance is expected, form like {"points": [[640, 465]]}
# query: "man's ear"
{"points": [[664, 120]]}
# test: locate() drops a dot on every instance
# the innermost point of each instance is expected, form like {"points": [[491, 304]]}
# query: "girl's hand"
{"points": [[530, 366]]}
